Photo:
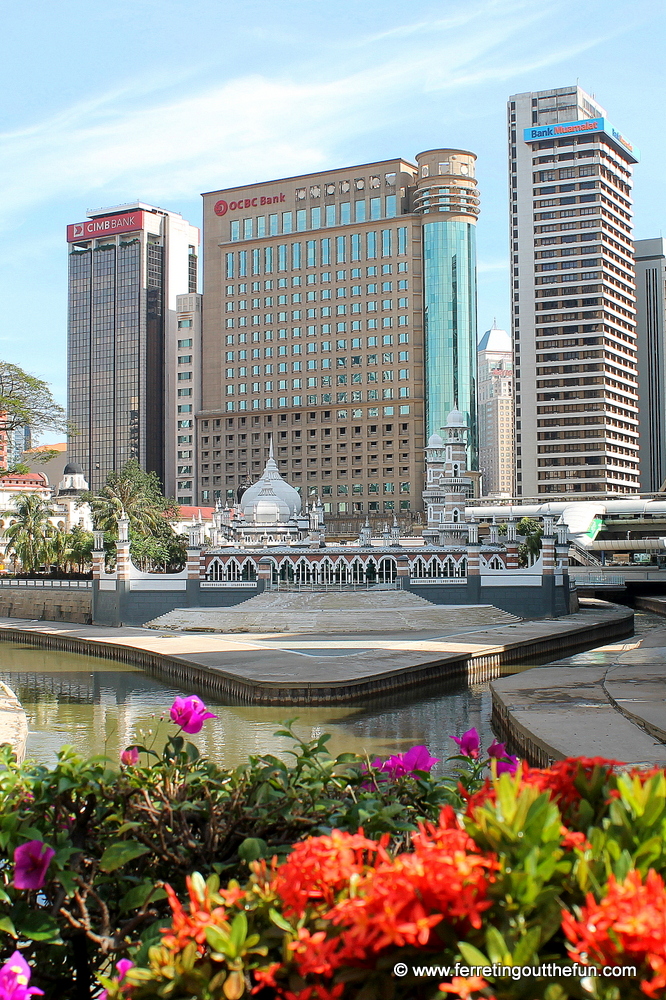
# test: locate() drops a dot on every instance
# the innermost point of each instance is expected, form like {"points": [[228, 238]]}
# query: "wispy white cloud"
{"points": [[138, 140]]}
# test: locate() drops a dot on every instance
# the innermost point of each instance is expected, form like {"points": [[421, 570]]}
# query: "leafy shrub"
{"points": [[541, 869]]}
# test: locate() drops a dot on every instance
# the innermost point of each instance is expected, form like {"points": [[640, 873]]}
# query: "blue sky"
{"points": [[163, 99]]}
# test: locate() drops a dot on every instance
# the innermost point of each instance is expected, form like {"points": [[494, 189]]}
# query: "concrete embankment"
{"points": [[293, 669], [54, 604], [609, 702]]}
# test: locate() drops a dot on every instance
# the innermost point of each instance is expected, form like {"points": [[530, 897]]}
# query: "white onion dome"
{"points": [[279, 489], [455, 418], [435, 441], [269, 508]]}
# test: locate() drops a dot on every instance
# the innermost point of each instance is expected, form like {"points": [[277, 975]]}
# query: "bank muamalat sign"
{"points": [[238, 205], [109, 225], [582, 127]]}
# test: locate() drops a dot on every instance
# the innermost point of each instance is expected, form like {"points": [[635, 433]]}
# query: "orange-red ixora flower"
{"points": [[377, 902], [186, 927], [628, 926], [320, 867], [464, 986]]}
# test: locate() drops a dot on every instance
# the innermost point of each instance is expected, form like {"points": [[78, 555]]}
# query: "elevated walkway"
{"points": [[333, 613]]}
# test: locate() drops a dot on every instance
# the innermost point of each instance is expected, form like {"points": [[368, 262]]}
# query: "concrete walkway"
{"points": [[610, 702], [321, 669]]}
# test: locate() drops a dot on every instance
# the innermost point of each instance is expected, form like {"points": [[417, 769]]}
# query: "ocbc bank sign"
{"points": [[222, 207]]}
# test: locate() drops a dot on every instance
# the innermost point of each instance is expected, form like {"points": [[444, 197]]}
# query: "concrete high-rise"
{"points": [[340, 318], [127, 264], [573, 296], [495, 408], [650, 263]]}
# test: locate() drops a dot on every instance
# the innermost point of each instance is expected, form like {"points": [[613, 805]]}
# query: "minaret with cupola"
{"points": [[447, 485]]}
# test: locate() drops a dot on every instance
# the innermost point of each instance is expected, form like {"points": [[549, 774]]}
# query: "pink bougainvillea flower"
{"points": [[31, 863], [509, 765], [121, 969], [497, 750], [469, 743], [129, 756], [418, 759], [400, 765], [190, 714], [14, 979]]}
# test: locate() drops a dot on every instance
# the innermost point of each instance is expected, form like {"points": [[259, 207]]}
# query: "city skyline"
{"points": [[110, 132]]}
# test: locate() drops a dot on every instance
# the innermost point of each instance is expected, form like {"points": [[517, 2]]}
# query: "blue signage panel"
{"points": [[587, 125]]}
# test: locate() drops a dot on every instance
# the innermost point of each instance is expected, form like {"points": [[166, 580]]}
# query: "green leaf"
{"points": [[252, 849], [38, 926], [120, 853], [279, 920], [7, 926], [472, 955], [139, 895]]}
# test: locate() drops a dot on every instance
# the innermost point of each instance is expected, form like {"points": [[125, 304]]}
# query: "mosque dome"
{"points": [[269, 508], [435, 441], [72, 469], [455, 419], [290, 500]]}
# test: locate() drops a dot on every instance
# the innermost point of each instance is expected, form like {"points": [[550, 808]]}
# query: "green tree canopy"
{"points": [[29, 534], [25, 399], [139, 494], [154, 544]]}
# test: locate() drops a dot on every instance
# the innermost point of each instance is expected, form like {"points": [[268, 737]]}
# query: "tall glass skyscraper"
{"points": [[126, 265], [339, 319], [447, 194]]}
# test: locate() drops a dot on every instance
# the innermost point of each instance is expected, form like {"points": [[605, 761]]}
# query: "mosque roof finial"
{"points": [[270, 447]]}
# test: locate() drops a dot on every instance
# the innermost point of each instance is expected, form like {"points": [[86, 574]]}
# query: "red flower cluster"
{"points": [[566, 781], [186, 927], [382, 902], [628, 926]]}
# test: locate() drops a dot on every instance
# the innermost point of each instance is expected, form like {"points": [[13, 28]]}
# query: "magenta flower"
{"points": [[14, 979], [497, 750], [469, 743], [401, 764], [129, 756], [190, 714], [508, 766], [31, 862], [121, 969]]}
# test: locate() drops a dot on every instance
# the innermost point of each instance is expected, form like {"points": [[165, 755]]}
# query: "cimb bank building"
{"points": [[133, 318], [340, 321]]}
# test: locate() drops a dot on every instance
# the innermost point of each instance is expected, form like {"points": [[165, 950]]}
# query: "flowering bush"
{"points": [[87, 850], [332, 877], [541, 868]]}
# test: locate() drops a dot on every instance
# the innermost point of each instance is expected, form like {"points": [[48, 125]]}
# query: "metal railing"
{"points": [[311, 587], [73, 584], [597, 579]]}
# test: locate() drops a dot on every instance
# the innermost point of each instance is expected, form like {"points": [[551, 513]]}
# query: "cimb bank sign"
{"points": [[108, 225]]}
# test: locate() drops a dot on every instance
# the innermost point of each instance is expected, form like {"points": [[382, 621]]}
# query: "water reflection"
{"points": [[101, 707]]}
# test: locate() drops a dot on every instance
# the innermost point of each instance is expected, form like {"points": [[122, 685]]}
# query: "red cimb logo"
{"points": [[220, 208]]}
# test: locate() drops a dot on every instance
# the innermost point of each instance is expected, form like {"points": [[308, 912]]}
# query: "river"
{"points": [[101, 707]]}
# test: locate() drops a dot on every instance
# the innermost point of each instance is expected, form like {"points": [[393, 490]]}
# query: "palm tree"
{"points": [[29, 530], [57, 549], [137, 493], [80, 547]]}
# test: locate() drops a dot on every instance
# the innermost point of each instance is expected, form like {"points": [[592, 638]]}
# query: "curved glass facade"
{"points": [[449, 300]]}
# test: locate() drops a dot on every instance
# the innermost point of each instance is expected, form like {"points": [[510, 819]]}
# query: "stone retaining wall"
{"points": [[55, 604], [233, 689]]}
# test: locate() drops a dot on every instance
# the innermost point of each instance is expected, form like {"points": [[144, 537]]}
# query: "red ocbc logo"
{"points": [[222, 207]]}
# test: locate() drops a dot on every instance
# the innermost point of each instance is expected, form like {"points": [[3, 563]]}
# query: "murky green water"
{"points": [[101, 707]]}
